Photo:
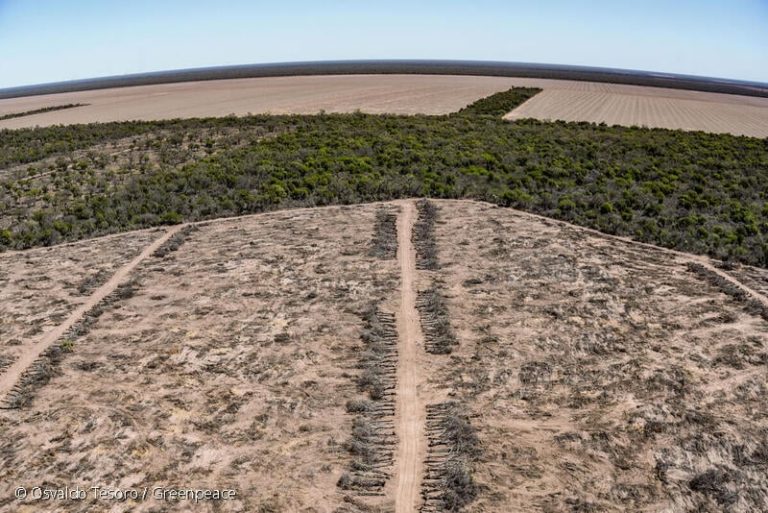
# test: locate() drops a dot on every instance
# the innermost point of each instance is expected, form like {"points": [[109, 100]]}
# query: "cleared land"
{"points": [[559, 370], [374, 94], [652, 107], [401, 94], [410, 412], [227, 366], [39, 289], [605, 376]]}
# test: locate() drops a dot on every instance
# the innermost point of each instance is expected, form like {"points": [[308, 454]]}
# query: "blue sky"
{"points": [[47, 41]]}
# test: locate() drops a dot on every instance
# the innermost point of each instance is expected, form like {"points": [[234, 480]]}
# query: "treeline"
{"points": [[692, 191], [40, 111], [500, 103]]}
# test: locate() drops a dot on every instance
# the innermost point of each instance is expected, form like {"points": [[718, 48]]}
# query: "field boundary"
{"points": [[203, 222]]}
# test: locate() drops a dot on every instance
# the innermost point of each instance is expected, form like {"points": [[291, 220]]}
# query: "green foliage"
{"points": [[696, 192], [500, 103], [40, 111]]}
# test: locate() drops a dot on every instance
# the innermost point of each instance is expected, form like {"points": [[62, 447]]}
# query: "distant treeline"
{"points": [[40, 111], [692, 191], [406, 66]]}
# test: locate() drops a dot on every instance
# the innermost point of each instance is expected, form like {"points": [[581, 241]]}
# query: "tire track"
{"points": [[411, 412], [16, 370]]}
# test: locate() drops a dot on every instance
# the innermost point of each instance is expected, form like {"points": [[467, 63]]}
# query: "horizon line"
{"points": [[399, 66]]}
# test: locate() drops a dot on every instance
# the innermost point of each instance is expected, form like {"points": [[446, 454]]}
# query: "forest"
{"points": [[691, 191]]}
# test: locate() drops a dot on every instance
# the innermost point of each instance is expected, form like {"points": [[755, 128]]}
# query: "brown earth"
{"points": [[410, 402], [600, 375], [228, 368], [647, 106], [604, 375], [39, 289], [375, 94], [401, 94]]}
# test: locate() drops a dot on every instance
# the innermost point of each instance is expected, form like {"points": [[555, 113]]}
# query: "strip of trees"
{"points": [[692, 191]]}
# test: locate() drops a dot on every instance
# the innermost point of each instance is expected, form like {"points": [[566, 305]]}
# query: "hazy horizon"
{"points": [[319, 62], [46, 41]]}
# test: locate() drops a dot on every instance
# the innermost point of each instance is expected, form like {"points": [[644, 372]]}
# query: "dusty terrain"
{"points": [[604, 375], [39, 289], [411, 412], [375, 94], [648, 106], [401, 94], [387, 357], [228, 367]]}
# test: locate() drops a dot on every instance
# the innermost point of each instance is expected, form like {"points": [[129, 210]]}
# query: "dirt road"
{"points": [[757, 296], [410, 416], [13, 373]]}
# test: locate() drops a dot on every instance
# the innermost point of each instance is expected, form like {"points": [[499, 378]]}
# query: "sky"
{"points": [[53, 40]]}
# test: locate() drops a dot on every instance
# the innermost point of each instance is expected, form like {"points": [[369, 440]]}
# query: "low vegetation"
{"points": [[373, 440], [174, 242], [500, 103], [47, 364], [41, 111], [384, 241], [423, 236], [751, 304], [453, 448], [610, 356], [435, 321], [692, 191]]}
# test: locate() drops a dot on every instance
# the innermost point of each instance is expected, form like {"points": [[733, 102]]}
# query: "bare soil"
{"points": [[31, 351], [599, 375], [647, 106], [375, 94], [411, 412], [229, 367], [40, 288], [402, 94], [604, 375]]}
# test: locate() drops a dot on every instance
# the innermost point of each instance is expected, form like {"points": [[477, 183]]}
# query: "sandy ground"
{"points": [[601, 375], [229, 368], [32, 351], [402, 94], [651, 107], [376, 94], [40, 288], [604, 375], [411, 410]]}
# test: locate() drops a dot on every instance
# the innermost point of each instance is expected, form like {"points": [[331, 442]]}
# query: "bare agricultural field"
{"points": [[400, 94], [375, 94], [647, 106], [412, 356]]}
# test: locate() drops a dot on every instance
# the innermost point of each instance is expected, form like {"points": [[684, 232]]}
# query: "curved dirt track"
{"points": [[12, 375], [410, 418]]}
